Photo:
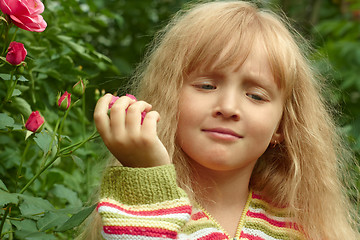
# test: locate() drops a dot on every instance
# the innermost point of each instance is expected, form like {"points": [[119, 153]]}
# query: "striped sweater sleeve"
{"points": [[142, 203]]}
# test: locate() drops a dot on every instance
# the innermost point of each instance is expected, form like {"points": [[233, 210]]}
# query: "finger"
{"points": [[118, 114], [101, 117], [133, 116], [149, 126]]}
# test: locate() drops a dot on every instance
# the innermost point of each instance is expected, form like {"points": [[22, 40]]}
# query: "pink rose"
{"points": [[114, 98], [35, 122], [143, 113], [25, 14], [131, 96], [64, 101], [16, 53]]}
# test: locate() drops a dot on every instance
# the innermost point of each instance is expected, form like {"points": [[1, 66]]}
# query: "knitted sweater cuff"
{"points": [[136, 186]]}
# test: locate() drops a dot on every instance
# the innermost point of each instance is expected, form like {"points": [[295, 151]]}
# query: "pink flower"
{"points": [[16, 53], [25, 14], [64, 101], [114, 98], [143, 113], [35, 122], [131, 96]]}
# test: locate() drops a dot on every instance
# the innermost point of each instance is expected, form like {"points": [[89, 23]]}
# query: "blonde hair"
{"points": [[301, 172]]}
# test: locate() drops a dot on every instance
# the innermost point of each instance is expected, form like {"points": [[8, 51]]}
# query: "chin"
{"points": [[217, 165]]}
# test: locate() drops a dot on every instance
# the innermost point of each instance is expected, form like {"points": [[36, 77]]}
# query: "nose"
{"points": [[227, 106]]}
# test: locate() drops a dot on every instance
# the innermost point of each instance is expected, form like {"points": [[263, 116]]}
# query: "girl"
{"points": [[243, 126]]}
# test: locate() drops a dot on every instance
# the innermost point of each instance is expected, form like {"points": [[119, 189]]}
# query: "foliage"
{"points": [[47, 178], [45, 186]]}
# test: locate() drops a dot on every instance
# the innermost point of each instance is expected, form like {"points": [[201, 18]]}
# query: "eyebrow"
{"points": [[268, 84]]}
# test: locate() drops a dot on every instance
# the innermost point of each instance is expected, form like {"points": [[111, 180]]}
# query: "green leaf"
{"points": [[5, 77], [79, 162], [34, 205], [16, 93], [52, 219], [77, 219], [27, 229], [6, 197], [3, 186], [25, 225], [81, 28], [22, 79], [34, 235], [43, 140], [79, 49], [22, 105], [62, 192], [6, 121]]}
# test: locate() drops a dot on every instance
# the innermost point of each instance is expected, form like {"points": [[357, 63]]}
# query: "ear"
{"points": [[278, 135]]}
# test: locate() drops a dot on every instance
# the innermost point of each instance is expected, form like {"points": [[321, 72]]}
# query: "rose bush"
{"points": [[25, 14], [35, 122], [47, 177], [16, 53]]}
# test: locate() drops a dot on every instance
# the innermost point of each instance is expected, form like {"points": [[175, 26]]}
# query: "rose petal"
{"points": [[16, 53], [33, 24], [131, 96], [34, 122], [113, 100], [25, 14]]}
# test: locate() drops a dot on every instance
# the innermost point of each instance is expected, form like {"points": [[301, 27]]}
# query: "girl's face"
{"points": [[228, 118]]}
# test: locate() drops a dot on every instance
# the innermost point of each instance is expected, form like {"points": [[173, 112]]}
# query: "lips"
{"points": [[223, 131]]}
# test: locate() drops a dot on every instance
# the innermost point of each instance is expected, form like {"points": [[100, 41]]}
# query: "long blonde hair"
{"points": [[303, 171]]}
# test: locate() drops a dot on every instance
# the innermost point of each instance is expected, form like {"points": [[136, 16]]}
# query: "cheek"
{"points": [[265, 125]]}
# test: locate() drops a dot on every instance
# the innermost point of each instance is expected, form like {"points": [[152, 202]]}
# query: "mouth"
{"points": [[223, 132]]}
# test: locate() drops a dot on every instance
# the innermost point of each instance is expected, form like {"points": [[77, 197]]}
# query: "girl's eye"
{"points": [[205, 86], [255, 97]]}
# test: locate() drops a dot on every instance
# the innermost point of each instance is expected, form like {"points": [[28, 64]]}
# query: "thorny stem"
{"points": [[32, 80], [21, 163], [4, 218], [46, 155], [38, 174], [62, 122], [12, 86], [79, 144], [6, 34], [53, 160]]}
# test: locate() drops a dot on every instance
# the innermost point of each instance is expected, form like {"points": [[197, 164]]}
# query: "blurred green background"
{"points": [[102, 41]]}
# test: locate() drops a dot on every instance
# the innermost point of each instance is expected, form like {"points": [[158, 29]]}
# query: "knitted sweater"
{"points": [[147, 204]]}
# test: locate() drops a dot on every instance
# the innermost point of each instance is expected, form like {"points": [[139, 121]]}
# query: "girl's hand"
{"points": [[132, 143]]}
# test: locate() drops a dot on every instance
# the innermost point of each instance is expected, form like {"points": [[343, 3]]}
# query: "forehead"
{"points": [[253, 59]]}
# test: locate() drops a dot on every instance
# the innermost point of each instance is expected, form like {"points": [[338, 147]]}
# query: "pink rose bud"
{"points": [[64, 101], [16, 53], [35, 122], [25, 14], [143, 113], [131, 96], [114, 98], [78, 88]]}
